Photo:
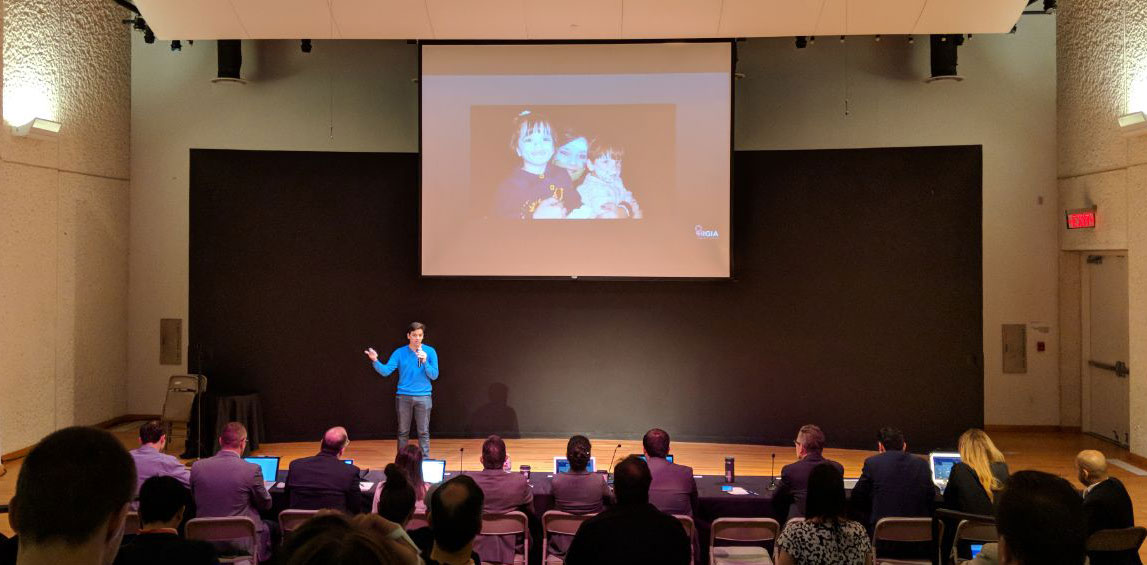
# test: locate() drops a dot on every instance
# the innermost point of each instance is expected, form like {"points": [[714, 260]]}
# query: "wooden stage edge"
{"points": [[1049, 450]]}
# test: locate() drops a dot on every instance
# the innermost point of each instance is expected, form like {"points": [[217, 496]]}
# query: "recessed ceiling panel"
{"points": [[969, 16], [381, 19], [769, 18], [285, 19], [201, 19], [482, 19], [642, 19], [586, 19], [875, 17]]}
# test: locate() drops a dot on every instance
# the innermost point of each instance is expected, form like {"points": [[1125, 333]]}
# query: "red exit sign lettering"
{"points": [[1080, 219]]}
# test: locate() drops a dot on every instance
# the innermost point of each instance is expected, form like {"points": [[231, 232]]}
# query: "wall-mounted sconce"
{"points": [[1133, 124], [38, 128]]}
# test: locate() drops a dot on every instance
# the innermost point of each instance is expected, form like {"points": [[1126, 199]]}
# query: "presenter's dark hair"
{"points": [[456, 512], [493, 453], [656, 442], [70, 485], [1041, 518], [151, 431], [160, 499], [825, 493], [631, 480], [396, 499], [891, 438], [409, 460], [416, 326], [577, 452]]}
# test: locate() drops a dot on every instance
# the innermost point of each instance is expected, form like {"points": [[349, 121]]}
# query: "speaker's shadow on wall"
{"points": [[496, 416]]}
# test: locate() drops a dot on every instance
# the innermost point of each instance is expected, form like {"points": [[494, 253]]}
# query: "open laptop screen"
{"points": [[941, 464], [562, 465], [268, 465], [433, 470]]}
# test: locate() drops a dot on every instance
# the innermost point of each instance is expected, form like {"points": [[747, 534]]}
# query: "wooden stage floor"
{"points": [[1053, 452]]}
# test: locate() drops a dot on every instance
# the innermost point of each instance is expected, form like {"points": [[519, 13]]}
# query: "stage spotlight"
{"points": [[877, 39], [943, 57], [842, 39], [148, 36], [911, 40], [305, 45], [802, 42], [176, 45], [812, 40], [230, 61]]}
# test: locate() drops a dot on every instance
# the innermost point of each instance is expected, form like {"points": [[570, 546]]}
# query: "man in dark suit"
{"points": [[894, 482], [323, 480], [1106, 505], [503, 492], [633, 530], [673, 490], [793, 488], [226, 485], [162, 500]]}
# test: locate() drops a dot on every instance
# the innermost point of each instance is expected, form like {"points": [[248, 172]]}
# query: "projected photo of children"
{"points": [[574, 162]]}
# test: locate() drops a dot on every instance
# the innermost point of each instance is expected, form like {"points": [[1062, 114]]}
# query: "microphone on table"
{"points": [[613, 457], [773, 473], [461, 450]]}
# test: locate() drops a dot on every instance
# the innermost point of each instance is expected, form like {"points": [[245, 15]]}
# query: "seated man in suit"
{"points": [[503, 492], [72, 498], [323, 480], [633, 530], [673, 490], [151, 461], [893, 482], [162, 501], [793, 487], [226, 485], [1106, 505]]}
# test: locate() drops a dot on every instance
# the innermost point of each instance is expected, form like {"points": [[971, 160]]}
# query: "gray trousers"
{"points": [[404, 406]]}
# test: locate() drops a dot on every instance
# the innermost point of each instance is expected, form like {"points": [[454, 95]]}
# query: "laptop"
{"points": [[941, 464], [562, 465], [433, 470], [269, 467], [348, 461], [668, 458]]}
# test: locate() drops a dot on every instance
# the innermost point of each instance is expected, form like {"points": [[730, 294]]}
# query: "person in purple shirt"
{"points": [[151, 461], [793, 487], [226, 485], [503, 492], [578, 491], [417, 366], [673, 490]]}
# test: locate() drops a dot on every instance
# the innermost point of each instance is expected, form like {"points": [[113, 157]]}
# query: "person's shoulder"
{"points": [[429, 348]]}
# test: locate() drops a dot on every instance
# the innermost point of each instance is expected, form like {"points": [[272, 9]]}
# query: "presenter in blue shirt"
{"points": [[417, 365]]}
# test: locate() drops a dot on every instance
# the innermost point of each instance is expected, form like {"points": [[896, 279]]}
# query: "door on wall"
{"points": [[1106, 359]]}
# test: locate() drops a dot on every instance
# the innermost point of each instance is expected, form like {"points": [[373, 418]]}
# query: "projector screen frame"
{"points": [[732, 123]]}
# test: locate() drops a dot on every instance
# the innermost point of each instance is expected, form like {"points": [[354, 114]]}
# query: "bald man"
{"points": [[323, 480], [1106, 505]]}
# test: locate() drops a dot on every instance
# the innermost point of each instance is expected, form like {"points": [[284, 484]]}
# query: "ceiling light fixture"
{"points": [[1133, 124], [38, 128]]}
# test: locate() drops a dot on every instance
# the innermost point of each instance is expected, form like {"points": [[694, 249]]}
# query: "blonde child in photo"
{"points": [[603, 194]]}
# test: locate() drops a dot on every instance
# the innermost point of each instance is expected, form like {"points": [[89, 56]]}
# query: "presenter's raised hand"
{"points": [[370, 352]]}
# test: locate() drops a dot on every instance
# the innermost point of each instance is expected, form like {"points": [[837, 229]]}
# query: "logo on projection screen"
{"points": [[703, 233]]}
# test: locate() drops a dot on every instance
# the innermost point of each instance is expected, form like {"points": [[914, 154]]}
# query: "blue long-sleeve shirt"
{"points": [[412, 379]]}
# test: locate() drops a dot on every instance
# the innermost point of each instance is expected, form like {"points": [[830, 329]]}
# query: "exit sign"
{"points": [[1080, 219]]}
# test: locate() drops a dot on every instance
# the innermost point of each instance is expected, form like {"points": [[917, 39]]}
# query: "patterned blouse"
{"points": [[811, 543]]}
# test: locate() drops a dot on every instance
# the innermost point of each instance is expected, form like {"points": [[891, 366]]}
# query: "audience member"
{"points": [[323, 480], [333, 538], [504, 492], [1106, 505], [972, 483], [162, 501], [825, 537], [633, 530], [578, 491], [409, 461], [673, 490], [226, 485], [1040, 521], [455, 520], [151, 461], [893, 482], [791, 491], [395, 496], [72, 497]]}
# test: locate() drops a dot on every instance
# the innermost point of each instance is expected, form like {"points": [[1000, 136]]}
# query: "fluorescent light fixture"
{"points": [[38, 127], [1133, 124]]}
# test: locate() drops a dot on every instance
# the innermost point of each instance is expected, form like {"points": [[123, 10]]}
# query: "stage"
{"points": [[1052, 452]]}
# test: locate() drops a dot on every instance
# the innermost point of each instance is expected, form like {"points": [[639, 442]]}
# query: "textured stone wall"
{"points": [[63, 217], [1102, 74]]}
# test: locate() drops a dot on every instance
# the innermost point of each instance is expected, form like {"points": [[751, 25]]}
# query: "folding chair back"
{"points": [[289, 520], [759, 530], [558, 522], [131, 525], [1126, 539], [227, 531], [690, 531], [508, 523], [903, 530]]}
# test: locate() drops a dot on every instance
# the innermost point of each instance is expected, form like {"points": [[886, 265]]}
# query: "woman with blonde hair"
{"points": [[974, 481]]}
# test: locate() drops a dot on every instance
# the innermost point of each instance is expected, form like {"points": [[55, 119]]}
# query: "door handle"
{"points": [[1120, 368]]}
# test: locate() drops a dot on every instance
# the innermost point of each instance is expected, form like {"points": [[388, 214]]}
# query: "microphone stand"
{"points": [[461, 450], [613, 458], [773, 472]]}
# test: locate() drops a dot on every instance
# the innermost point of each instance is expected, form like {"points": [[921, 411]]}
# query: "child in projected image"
{"points": [[603, 195], [535, 190]]}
